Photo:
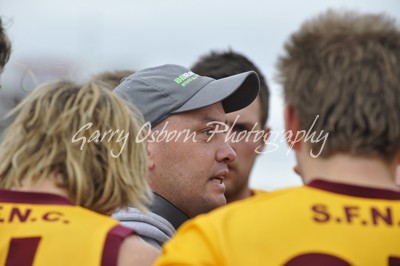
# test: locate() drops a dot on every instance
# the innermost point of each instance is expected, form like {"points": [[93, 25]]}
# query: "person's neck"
{"points": [[243, 194], [44, 185], [347, 169]]}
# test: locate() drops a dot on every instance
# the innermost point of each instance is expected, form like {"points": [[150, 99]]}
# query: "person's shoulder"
{"points": [[153, 228], [134, 251], [128, 213]]}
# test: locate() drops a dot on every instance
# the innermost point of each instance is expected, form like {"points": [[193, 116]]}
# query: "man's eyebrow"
{"points": [[208, 119], [247, 124]]}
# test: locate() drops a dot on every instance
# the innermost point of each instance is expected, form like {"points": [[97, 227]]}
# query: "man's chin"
{"points": [[219, 200]]}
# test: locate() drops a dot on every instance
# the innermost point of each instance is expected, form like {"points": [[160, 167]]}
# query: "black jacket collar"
{"points": [[168, 211]]}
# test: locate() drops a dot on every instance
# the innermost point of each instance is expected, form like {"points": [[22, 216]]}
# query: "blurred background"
{"points": [[78, 39]]}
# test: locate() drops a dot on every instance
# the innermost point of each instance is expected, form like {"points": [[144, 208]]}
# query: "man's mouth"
{"points": [[218, 179]]}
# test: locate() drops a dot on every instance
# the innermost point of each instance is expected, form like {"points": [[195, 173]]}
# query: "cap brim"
{"points": [[235, 92]]}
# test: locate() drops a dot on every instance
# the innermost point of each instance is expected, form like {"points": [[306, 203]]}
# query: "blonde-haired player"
{"points": [[66, 163]]}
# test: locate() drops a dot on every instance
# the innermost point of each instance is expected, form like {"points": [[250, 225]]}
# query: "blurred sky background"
{"points": [[77, 39]]}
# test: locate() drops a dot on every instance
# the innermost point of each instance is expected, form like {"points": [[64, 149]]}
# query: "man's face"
{"points": [[191, 173], [239, 170]]}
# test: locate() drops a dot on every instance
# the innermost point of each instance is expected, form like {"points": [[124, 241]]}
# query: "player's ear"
{"points": [[397, 170], [397, 158], [292, 125]]}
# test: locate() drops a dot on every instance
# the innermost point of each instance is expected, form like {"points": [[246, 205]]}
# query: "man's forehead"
{"points": [[242, 118], [214, 111], [251, 113], [206, 118]]}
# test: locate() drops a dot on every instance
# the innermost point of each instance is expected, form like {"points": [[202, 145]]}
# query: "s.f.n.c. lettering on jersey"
{"points": [[353, 214]]}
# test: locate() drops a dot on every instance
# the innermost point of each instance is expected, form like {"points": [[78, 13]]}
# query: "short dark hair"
{"points": [[112, 78], [345, 67], [222, 64], [5, 46]]}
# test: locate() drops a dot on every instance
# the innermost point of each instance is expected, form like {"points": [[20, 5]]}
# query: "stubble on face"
{"points": [[185, 172], [237, 182]]}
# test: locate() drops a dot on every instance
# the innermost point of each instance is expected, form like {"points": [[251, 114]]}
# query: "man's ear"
{"points": [[150, 155], [292, 125], [264, 139]]}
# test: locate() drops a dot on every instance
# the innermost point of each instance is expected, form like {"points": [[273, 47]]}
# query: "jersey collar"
{"points": [[354, 190]]}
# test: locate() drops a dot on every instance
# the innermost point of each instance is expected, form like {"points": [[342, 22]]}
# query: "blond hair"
{"points": [[345, 67], [40, 143]]}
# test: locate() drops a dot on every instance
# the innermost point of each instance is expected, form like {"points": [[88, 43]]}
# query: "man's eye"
{"points": [[208, 131], [239, 128]]}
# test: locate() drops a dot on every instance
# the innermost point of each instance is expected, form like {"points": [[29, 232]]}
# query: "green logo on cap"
{"points": [[186, 78]]}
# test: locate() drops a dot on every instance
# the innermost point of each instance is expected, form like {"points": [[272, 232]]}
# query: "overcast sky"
{"points": [[81, 38]]}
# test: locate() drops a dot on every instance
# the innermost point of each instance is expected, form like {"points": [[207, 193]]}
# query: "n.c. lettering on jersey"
{"points": [[26, 215]]}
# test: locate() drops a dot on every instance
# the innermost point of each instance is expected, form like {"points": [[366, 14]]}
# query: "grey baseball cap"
{"points": [[164, 90]]}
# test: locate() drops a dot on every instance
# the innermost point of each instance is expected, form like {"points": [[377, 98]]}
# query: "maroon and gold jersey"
{"points": [[321, 224], [47, 229]]}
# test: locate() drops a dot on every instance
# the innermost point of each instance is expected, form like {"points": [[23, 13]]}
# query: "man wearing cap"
{"points": [[186, 174]]}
